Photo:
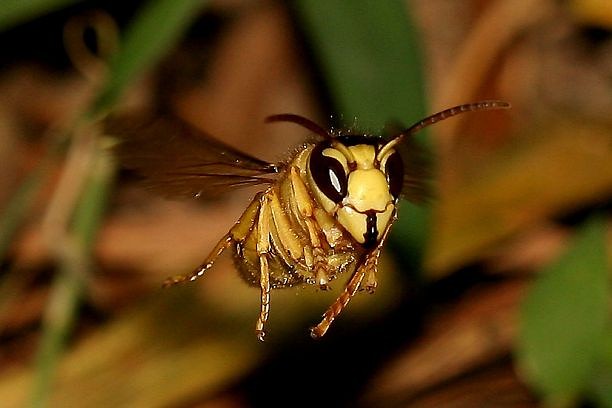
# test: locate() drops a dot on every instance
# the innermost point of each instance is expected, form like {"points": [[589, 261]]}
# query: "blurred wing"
{"points": [[417, 172], [418, 165], [177, 160]]}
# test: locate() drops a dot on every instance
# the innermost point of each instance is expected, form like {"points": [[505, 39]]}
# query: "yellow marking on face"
{"points": [[336, 154], [383, 219], [368, 190], [344, 150], [356, 222], [364, 156]]}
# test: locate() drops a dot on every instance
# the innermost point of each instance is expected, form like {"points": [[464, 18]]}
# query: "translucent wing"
{"points": [[177, 160], [417, 171], [418, 165]]}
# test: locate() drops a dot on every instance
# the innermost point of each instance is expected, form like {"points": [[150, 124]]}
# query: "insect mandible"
{"points": [[324, 212]]}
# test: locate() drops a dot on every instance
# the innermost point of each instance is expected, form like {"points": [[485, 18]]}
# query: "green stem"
{"points": [[75, 265]]}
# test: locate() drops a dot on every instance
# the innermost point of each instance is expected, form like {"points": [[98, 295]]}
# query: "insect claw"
{"points": [[315, 333], [173, 280], [318, 331], [370, 283], [322, 280], [261, 335]]}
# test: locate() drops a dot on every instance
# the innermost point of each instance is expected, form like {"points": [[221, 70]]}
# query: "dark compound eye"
{"points": [[328, 174], [394, 168]]}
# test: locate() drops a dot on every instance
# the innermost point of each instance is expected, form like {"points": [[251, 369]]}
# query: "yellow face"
{"points": [[358, 184]]}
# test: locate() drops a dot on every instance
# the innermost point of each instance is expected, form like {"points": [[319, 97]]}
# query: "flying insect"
{"points": [[325, 212]]}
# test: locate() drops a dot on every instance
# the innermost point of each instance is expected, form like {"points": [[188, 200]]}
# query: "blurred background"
{"points": [[495, 294]]}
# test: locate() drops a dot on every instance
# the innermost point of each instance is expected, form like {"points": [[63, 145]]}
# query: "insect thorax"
{"points": [[291, 214]]}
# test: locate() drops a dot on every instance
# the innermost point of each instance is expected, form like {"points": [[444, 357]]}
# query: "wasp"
{"points": [[325, 212]]}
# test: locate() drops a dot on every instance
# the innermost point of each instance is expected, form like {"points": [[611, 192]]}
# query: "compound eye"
{"points": [[394, 168], [328, 174]]}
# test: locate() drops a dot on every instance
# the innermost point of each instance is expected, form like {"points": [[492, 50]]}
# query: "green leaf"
{"points": [[601, 388], [158, 26], [14, 12], [564, 318], [370, 58], [68, 285]]}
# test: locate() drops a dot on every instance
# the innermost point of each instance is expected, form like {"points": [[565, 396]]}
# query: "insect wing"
{"points": [[178, 160], [417, 171], [418, 165]]}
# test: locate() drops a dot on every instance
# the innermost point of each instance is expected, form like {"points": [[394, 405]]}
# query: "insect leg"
{"points": [[370, 282], [221, 246], [335, 309], [263, 247], [368, 271], [304, 203], [290, 246], [238, 232], [264, 312]]}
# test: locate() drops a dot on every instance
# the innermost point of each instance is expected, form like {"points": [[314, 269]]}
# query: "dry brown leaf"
{"points": [[479, 329], [564, 167]]}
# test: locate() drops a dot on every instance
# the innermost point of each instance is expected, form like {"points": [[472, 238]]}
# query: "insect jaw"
{"points": [[366, 227]]}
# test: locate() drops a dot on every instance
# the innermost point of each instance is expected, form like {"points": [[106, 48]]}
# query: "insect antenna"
{"points": [[302, 121], [455, 110]]}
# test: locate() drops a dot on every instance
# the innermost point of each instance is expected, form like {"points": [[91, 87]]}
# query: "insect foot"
{"points": [[261, 335], [316, 333], [174, 280], [370, 282], [370, 288], [323, 282]]}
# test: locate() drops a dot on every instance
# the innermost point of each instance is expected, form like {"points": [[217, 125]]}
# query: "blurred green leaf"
{"points": [[564, 318], [14, 12], [601, 389], [157, 27], [68, 285], [370, 57]]}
